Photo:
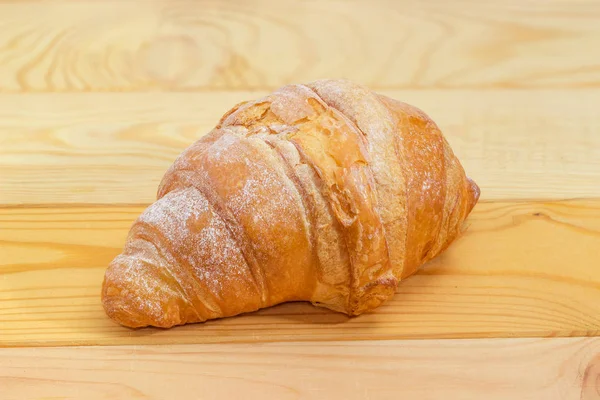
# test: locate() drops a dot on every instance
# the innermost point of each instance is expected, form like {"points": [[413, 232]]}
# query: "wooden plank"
{"points": [[98, 148], [190, 45], [521, 269], [114, 148], [550, 369]]}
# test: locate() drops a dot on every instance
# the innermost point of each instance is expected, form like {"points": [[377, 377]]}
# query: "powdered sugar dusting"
{"points": [[267, 199], [196, 236], [199, 237], [261, 191], [222, 145], [220, 259], [172, 213], [139, 277]]}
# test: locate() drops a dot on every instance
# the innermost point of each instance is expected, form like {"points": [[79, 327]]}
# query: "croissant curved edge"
{"points": [[323, 192]]}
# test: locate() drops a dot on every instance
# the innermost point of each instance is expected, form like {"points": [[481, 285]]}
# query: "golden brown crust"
{"points": [[325, 192]]}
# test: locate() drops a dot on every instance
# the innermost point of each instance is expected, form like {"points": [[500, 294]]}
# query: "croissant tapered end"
{"points": [[180, 265], [134, 296], [474, 193]]}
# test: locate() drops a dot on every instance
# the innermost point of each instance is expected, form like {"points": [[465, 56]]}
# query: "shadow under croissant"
{"points": [[290, 312], [297, 316]]}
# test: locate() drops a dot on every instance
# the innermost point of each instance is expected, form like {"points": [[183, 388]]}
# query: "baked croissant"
{"points": [[325, 192]]}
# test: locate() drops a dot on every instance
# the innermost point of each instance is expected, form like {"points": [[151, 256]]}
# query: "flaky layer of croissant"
{"points": [[324, 192]]}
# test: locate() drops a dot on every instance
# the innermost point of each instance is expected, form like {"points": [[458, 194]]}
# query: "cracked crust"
{"points": [[325, 192]]}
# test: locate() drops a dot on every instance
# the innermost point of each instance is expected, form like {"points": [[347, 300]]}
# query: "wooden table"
{"points": [[97, 98]]}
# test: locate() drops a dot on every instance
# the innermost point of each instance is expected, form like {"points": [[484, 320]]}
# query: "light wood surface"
{"points": [[520, 269], [208, 44], [525, 369], [97, 98], [114, 148]]}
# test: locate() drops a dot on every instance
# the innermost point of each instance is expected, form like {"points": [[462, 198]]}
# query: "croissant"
{"points": [[325, 192]]}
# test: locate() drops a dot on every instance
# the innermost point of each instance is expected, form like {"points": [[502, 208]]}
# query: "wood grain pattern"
{"points": [[520, 269], [114, 148], [549, 369], [97, 98], [197, 45]]}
